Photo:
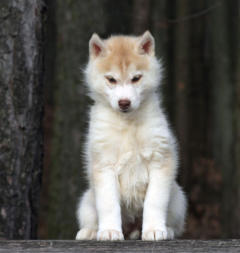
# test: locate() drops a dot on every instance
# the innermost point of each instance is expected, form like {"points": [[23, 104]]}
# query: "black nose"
{"points": [[124, 104]]}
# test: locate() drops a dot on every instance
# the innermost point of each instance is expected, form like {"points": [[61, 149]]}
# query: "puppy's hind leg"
{"points": [[87, 217], [176, 211]]}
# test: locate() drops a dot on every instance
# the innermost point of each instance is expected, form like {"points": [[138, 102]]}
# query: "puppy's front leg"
{"points": [[156, 202], [108, 206]]}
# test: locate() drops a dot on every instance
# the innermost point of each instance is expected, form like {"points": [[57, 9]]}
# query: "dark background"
{"points": [[199, 43]]}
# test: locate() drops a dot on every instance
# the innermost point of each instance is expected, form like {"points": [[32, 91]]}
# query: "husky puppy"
{"points": [[131, 153]]}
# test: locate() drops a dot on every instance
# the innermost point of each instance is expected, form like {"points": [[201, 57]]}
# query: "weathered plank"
{"points": [[125, 246]]}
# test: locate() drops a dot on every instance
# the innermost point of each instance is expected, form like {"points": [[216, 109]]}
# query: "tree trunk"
{"points": [[140, 22], [181, 84], [21, 110], [236, 221], [222, 107], [118, 17], [234, 24]]}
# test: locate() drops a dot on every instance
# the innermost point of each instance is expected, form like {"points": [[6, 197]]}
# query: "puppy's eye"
{"points": [[111, 79], [136, 78]]}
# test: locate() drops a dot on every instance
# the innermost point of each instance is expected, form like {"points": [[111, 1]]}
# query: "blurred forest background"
{"points": [[199, 43]]}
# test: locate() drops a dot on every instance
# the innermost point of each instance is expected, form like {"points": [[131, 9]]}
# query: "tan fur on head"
{"points": [[121, 51]]}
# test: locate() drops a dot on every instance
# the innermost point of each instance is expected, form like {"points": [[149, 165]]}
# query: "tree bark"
{"points": [[181, 84], [21, 110], [140, 22], [118, 17], [222, 108], [234, 17], [236, 222]]}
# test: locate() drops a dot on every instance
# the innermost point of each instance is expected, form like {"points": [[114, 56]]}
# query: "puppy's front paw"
{"points": [[110, 235], [86, 234], [158, 234]]}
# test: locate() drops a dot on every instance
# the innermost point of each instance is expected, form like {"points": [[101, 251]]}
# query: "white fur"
{"points": [[131, 161]]}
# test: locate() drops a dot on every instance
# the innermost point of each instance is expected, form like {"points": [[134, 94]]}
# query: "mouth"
{"points": [[125, 110]]}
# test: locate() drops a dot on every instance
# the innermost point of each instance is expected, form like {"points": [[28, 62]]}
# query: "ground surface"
{"points": [[125, 246]]}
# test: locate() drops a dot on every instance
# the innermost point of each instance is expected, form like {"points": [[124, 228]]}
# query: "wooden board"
{"points": [[125, 246]]}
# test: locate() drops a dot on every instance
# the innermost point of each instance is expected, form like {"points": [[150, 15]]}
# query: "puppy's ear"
{"points": [[146, 44], [96, 46]]}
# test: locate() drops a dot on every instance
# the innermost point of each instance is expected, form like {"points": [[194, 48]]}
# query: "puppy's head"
{"points": [[122, 70]]}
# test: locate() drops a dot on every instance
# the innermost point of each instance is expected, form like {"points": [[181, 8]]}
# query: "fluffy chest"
{"points": [[132, 174], [117, 138], [129, 153], [128, 149]]}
